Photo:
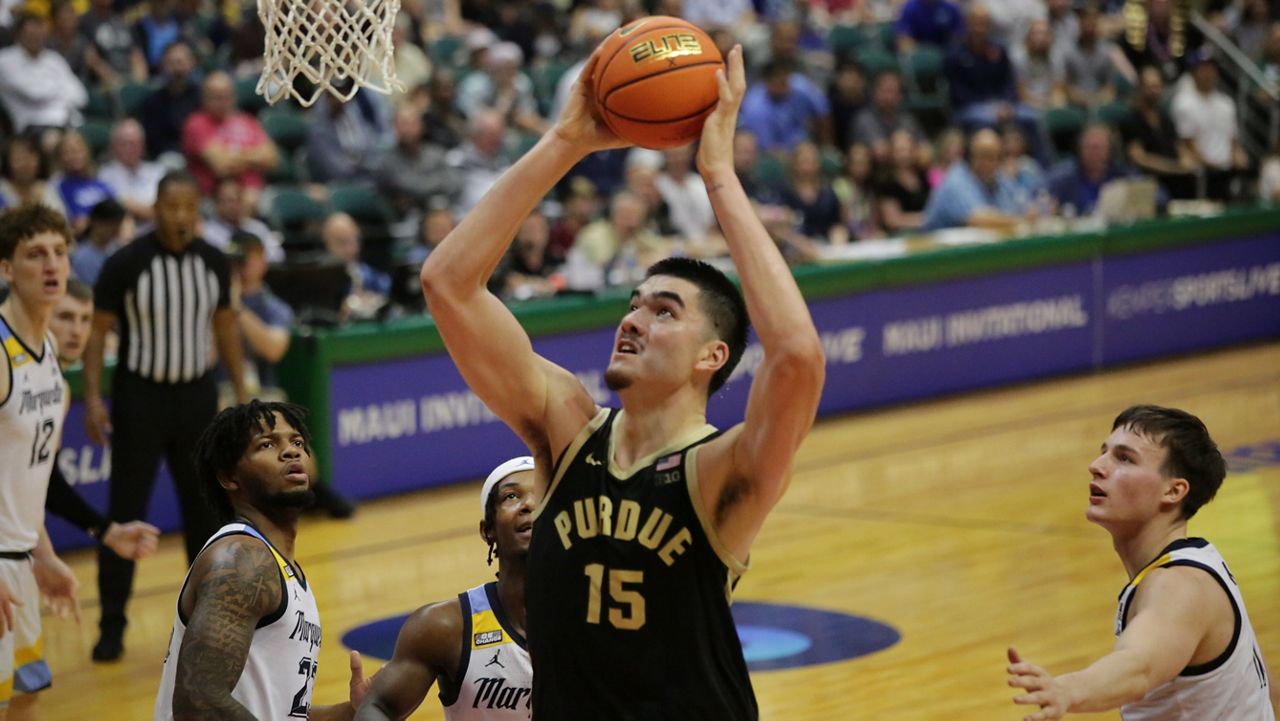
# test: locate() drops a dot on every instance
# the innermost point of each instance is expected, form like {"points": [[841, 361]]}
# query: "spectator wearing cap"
{"points": [[165, 111], [501, 86], [99, 241], [1077, 182], [78, 183], [784, 109], [132, 178], [265, 321], [37, 86], [1205, 118], [414, 171], [973, 193], [928, 22], [1151, 140], [223, 142], [983, 85], [231, 215], [346, 140]]}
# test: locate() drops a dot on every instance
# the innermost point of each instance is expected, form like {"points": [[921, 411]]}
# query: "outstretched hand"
{"points": [[1044, 690], [715, 152], [580, 123]]}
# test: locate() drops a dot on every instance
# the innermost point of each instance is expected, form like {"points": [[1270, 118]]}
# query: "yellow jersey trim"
{"points": [[486, 622], [736, 568], [682, 441], [570, 454], [1154, 564]]}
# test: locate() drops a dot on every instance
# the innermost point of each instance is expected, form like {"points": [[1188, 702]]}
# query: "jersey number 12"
{"points": [[40, 445]]}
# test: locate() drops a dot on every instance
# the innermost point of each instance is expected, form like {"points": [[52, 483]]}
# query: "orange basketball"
{"points": [[655, 81]]}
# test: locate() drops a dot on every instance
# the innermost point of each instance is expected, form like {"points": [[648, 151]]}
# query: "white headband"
{"points": [[515, 465]]}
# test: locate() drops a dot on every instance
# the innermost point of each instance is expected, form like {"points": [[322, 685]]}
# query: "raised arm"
{"points": [[429, 646], [756, 455], [1170, 619], [540, 401], [236, 583]]}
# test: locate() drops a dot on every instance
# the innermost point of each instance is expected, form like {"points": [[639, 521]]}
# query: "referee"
{"points": [[171, 292]]}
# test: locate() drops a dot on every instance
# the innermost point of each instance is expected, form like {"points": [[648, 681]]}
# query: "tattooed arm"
{"points": [[234, 583]]}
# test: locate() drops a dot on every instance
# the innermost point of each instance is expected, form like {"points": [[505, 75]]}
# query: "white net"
{"points": [[337, 46]]}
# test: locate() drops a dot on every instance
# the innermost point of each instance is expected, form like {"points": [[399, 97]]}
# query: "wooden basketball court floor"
{"points": [[960, 522]]}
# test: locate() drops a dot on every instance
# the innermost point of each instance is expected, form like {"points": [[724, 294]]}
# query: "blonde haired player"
{"points": [[1185, 650], [34, 244], [473, 646]]}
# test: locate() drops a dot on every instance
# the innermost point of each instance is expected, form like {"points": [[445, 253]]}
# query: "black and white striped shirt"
{"points": [[165, 303]]}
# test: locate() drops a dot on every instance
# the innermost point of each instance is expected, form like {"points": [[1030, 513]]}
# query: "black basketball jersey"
{"points": [[628, 591]]}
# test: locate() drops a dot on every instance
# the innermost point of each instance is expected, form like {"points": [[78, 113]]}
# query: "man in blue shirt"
{"points": [[928, 22], [99, 241], [784, 109], [1078, 181], [973, 193]]}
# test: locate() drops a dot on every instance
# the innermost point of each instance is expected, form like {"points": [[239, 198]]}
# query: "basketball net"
{"points": [[327, 42]]}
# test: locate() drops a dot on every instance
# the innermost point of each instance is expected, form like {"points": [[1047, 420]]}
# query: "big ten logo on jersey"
{"points": [[667, 47], [494, 693], [85, 465], [306, 632]]}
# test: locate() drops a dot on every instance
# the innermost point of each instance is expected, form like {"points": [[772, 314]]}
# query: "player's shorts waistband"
{"points": [[15, 555]]}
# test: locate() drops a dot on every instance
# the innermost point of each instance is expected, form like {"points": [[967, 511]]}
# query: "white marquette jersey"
{"points": [[280, 671], [1231, 687], [30, 433], [496, 674]]}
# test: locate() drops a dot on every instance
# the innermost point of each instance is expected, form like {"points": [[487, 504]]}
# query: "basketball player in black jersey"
{"points": [[647, 514]]}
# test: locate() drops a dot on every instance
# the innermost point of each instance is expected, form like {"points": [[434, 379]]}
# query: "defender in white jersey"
{"points": [[1185, 650], [246, 640], [473, 645], [33, 404]]}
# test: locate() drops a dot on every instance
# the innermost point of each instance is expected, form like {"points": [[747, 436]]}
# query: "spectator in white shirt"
{"points": [[231, 215], [1205, 118], [37, 86], [129, 175], [685, 195]]}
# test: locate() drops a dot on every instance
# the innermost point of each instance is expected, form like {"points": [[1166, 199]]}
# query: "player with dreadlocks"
{"points": [[473, 645], [246, 639]]}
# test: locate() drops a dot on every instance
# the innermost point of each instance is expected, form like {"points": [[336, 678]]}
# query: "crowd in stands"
{"points": [[864, 119]]}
